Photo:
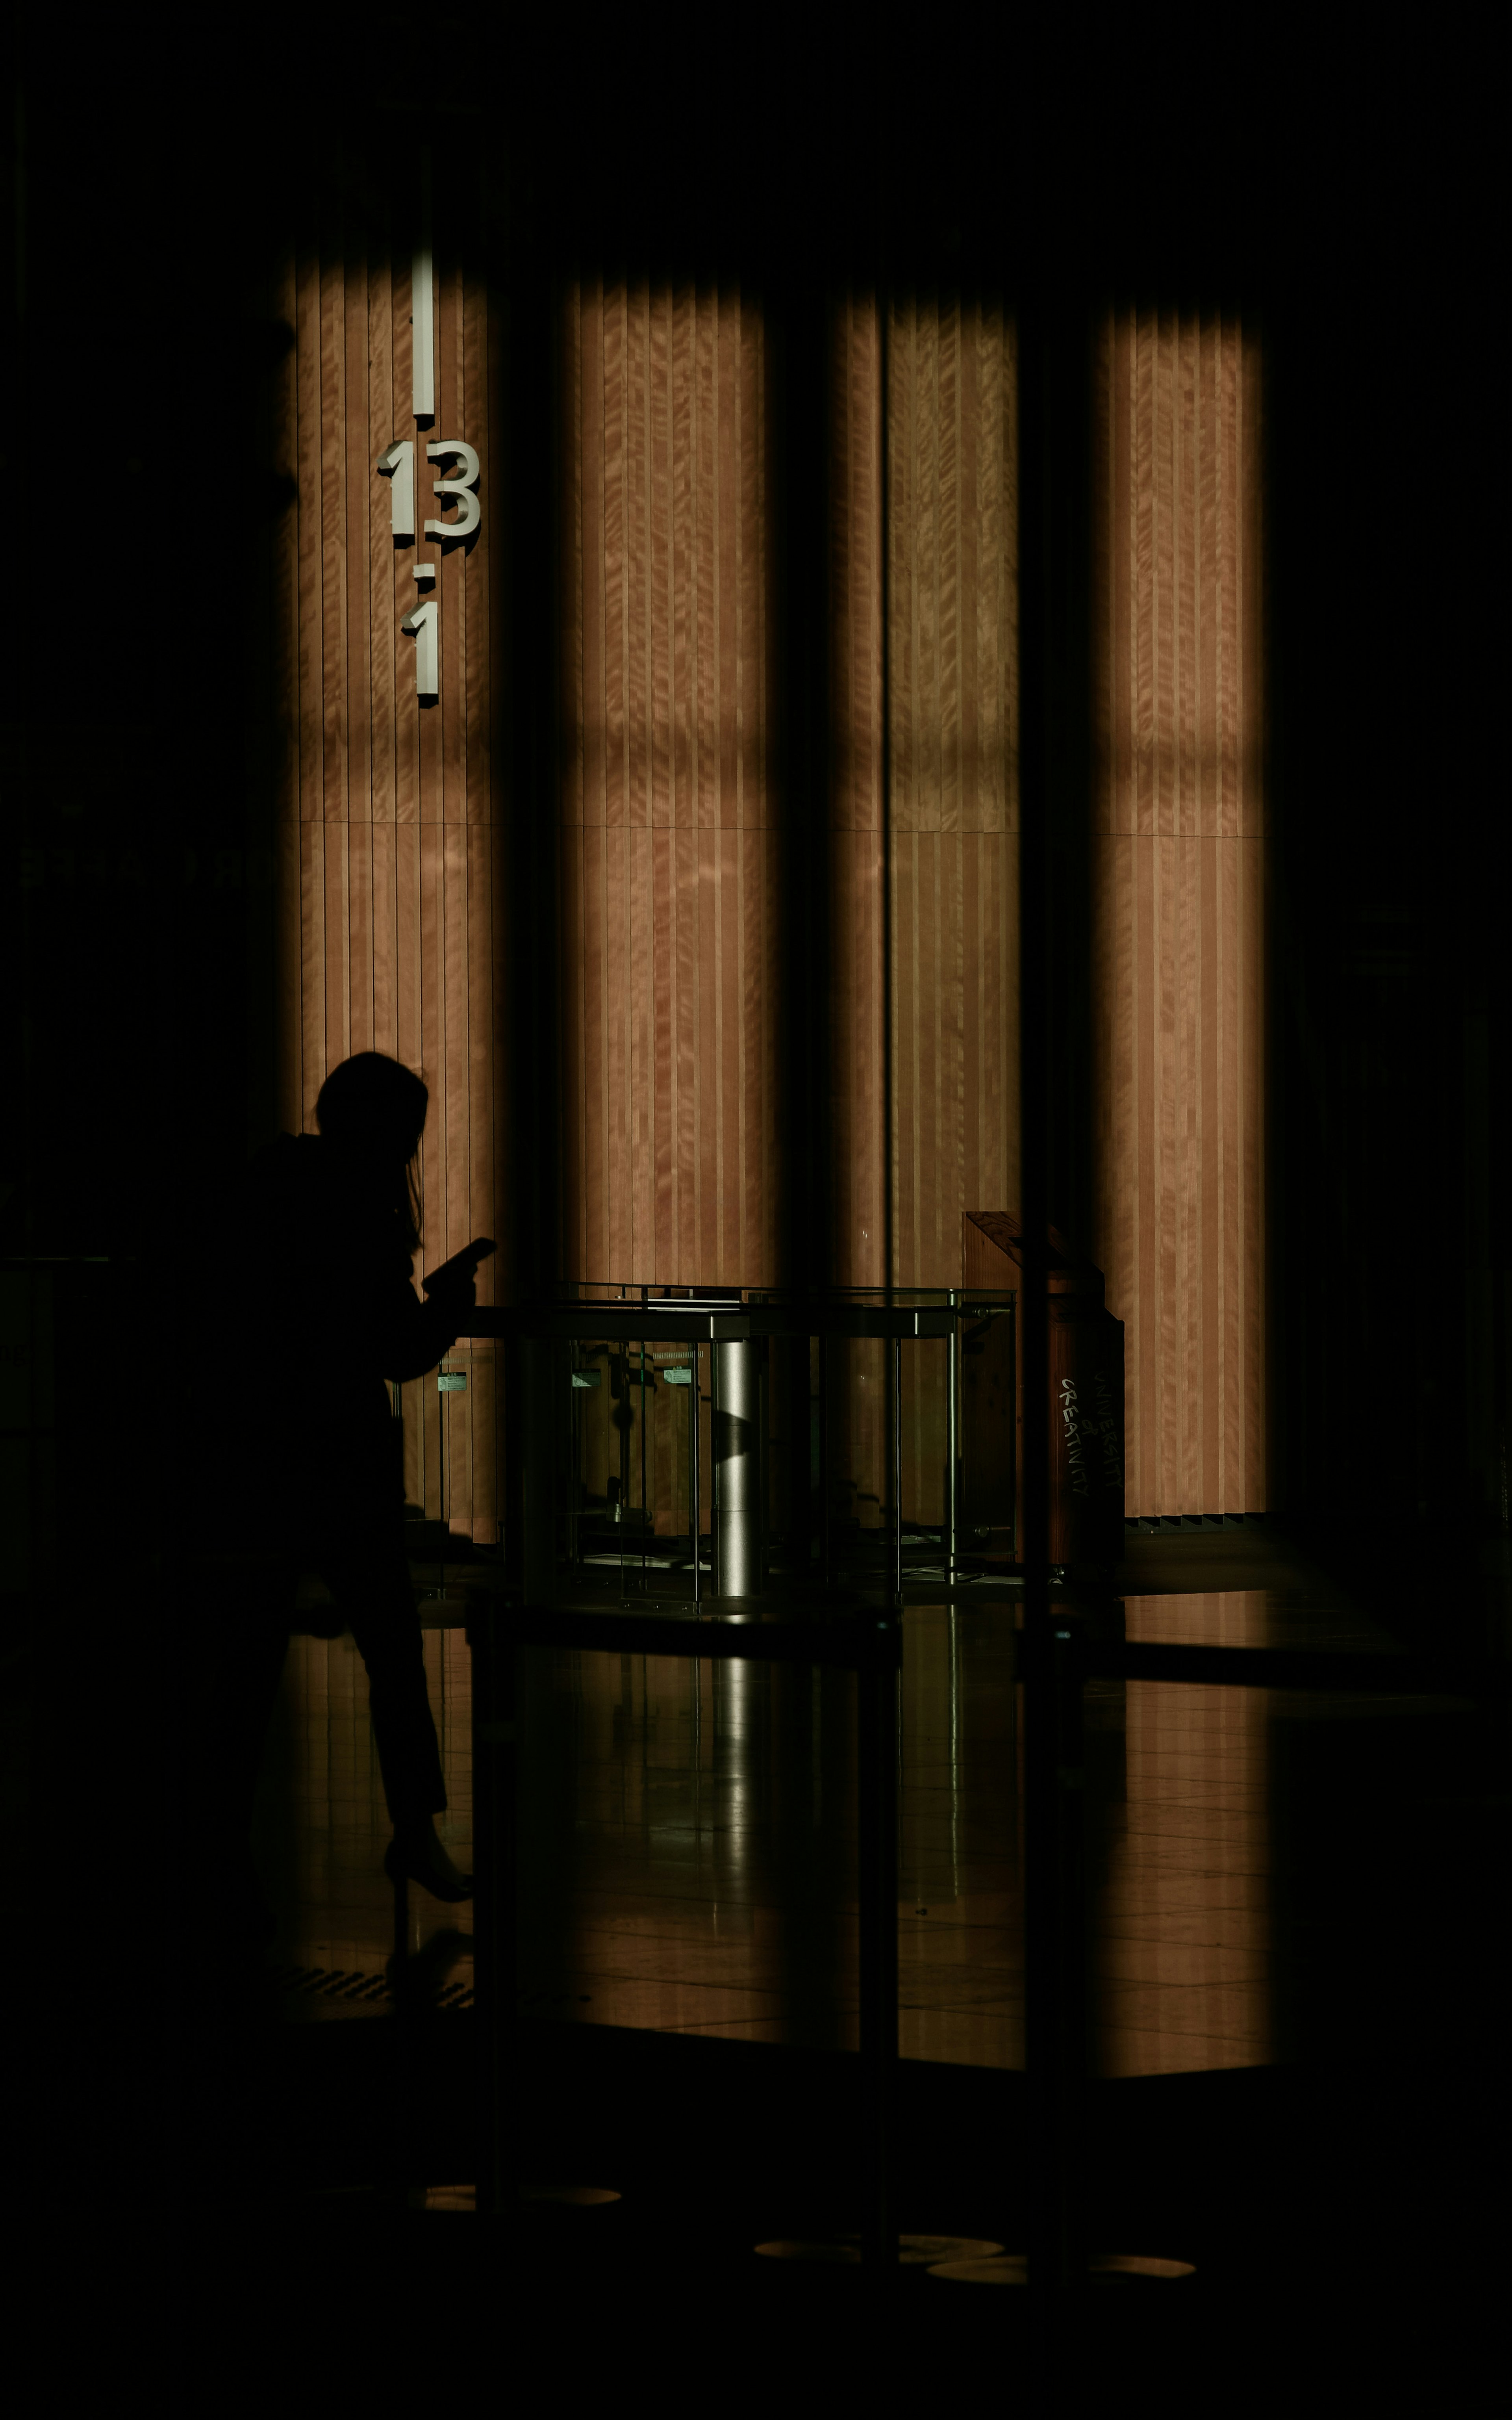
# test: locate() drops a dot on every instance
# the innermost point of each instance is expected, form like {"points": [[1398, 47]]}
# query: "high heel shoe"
{"points": [[420, 1858]]}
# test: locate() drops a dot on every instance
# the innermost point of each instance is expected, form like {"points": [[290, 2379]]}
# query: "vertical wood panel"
{"points": [[1178, 875], [312, 905], [382, 429], [947, 1140], [357, 486], [953, 816], [287, 600], [856, 1033], [306, 447], [666, 846], [330, 453], [389, 908], [360, 937], [384, 843]]}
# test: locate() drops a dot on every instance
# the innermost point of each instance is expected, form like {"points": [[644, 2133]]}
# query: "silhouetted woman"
{"points": [[315, 1479]]}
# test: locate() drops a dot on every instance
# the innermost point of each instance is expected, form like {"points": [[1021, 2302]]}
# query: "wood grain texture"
{"points": [[923, 883], [858, 1117], [668, 843], [285, 661], [670, 861], [947, 837], [1177, 903], [389, 864]]}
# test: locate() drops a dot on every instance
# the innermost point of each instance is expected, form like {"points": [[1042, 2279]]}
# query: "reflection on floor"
{"points": [[322, 1826], [689, 1839]]}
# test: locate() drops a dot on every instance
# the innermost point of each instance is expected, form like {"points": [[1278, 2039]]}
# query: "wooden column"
{"points": [[668, 832], [950, 1127], [1178, 903]]}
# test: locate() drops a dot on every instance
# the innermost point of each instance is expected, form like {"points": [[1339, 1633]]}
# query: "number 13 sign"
{"points": [[397, 465]]}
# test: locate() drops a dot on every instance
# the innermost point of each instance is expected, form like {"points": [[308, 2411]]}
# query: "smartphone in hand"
{"points": [[461, 1268]]}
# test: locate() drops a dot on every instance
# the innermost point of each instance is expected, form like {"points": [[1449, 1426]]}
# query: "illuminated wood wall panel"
{"points": [[857, 989], [1178, 907], [953, 665], [668, 856], [942, 963], [951, 846], [388, 809]]}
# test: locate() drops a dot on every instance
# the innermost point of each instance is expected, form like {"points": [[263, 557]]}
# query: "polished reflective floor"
{"points": [[1255, 1860]]}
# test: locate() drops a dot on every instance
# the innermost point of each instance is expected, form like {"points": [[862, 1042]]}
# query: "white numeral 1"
{"points": [[398, 464], [422, 623]]}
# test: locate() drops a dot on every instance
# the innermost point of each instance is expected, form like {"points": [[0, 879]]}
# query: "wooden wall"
{"points": [[669, 871], [673, 914], [1178, 903], [389, 812], [670, 864]]}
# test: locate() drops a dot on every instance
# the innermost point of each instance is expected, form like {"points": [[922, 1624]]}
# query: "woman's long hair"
{"points": [[373, 1110]]}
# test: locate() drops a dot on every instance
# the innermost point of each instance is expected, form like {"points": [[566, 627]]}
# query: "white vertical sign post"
{"points": [[397, 462], [422, 314], [424, 335]]}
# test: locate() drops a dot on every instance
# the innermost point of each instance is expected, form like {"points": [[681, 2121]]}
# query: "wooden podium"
{"points": [[1085, 1408]]}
